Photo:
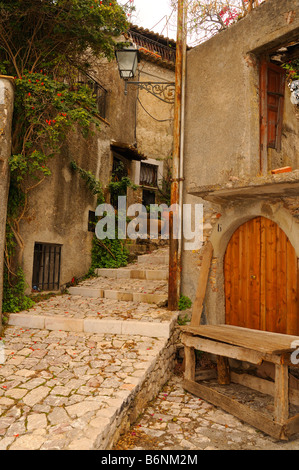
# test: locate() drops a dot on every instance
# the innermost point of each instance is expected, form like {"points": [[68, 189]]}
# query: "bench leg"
{"points": [[223, 370], [281, 397], [189, 363]]}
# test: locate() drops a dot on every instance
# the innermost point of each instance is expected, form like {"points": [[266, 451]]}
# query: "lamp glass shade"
{"points": [[127, 60]]}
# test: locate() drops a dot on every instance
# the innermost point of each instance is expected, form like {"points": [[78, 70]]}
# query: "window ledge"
{"points": [[260, 187]]}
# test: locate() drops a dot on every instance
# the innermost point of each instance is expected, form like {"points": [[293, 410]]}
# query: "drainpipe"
{"points": [[173, 248], [182, 138]]}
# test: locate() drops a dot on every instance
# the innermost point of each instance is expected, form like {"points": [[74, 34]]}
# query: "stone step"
{"points": [[128, 296], [153, 259], [134, 273], [137, 248], [153, 329]]}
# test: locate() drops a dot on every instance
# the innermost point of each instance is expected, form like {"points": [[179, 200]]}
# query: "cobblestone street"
{"points": [[177, 420], [84, 371]]}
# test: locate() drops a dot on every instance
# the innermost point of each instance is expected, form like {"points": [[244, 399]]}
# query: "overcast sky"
{"points": [[154, 15]]}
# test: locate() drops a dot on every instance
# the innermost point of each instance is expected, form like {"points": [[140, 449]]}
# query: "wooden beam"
{"points": [[213, 347], [205, 374], [223, 371], [281, 396], [262, 385], [189, 363], [243, 412], [202, 284]]}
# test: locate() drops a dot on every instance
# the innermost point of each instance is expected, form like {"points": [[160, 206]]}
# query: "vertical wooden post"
{"points": [[202, 284], [223, 370], [173, 251], [281, 397], [189, 364]]}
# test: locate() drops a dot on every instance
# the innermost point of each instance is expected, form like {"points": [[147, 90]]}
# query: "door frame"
{"points": [[231, 218]]}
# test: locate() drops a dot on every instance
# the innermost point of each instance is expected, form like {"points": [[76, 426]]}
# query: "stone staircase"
{"points": [[130, 300], [143, 281]]}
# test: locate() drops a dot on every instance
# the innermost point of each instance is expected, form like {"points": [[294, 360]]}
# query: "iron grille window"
{"points": [[46, 267], [148, 174], [99, 92]]}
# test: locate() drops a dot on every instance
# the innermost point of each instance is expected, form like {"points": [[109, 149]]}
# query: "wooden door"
{"points": [[261, 278]]}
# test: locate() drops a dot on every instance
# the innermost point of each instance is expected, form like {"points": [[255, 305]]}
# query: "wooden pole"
{"points": [[173, 251]]}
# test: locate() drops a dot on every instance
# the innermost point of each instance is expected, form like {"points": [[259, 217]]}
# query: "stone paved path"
{"points": [[178, 420], [62, 390], [74, 364]]}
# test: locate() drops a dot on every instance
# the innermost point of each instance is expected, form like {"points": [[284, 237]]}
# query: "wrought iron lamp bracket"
{"points": [[164, 91]]}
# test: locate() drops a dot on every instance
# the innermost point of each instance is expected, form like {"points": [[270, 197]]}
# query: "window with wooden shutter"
{"points": [[272, 86], [275, 98]]}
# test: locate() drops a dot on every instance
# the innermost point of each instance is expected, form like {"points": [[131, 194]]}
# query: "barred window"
{"points": [[148, 175]]}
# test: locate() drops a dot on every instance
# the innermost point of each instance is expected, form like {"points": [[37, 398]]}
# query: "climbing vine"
{"points": [[45, 45], [110, 252]]}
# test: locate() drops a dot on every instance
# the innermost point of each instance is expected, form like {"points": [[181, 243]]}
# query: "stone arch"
{"points": [[231, 219]]}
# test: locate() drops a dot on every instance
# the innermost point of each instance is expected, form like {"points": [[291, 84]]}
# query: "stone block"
{"points": [[26, 320], [149, 298], [137, 274], [106, 272], [151, 329], [156, 274], [111, 294], [125, 296], [102, 326], [86, 292], [66, 324], [123, 274]]}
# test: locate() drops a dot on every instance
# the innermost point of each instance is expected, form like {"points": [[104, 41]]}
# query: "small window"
{"points": [[91, 221], [272, 86], [275, 100], [148, 175], [46, 267], [148, 197]]}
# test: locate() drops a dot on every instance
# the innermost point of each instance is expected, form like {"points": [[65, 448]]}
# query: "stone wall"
{"points": [[222, 137], [148, 388]]}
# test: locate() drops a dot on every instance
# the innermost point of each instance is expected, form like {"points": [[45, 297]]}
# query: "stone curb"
{"points": [[146, 274], [127, 327], [153, 259], [118, 295]]}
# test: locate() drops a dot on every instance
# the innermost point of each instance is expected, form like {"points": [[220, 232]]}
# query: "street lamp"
{"points": [[127, 61]]}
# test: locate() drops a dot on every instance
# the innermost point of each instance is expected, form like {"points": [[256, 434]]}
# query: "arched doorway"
{"points": [[261, 278]]}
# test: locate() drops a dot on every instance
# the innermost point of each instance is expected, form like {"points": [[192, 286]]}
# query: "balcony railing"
{"points": [[162, 51]]}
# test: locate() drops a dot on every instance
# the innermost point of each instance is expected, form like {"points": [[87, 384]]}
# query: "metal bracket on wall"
{"points": [[164, 91]]}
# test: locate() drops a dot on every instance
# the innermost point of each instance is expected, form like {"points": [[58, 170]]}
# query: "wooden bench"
{"points": [[253, 346]]}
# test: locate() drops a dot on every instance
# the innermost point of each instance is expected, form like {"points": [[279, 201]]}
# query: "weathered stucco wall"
{"points": [[58, 208], [222, 134], [6, 112], [154, 130]]}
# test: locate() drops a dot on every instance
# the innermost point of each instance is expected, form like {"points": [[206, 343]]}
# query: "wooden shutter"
{"points": [[272, 85], [275, 101]]}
